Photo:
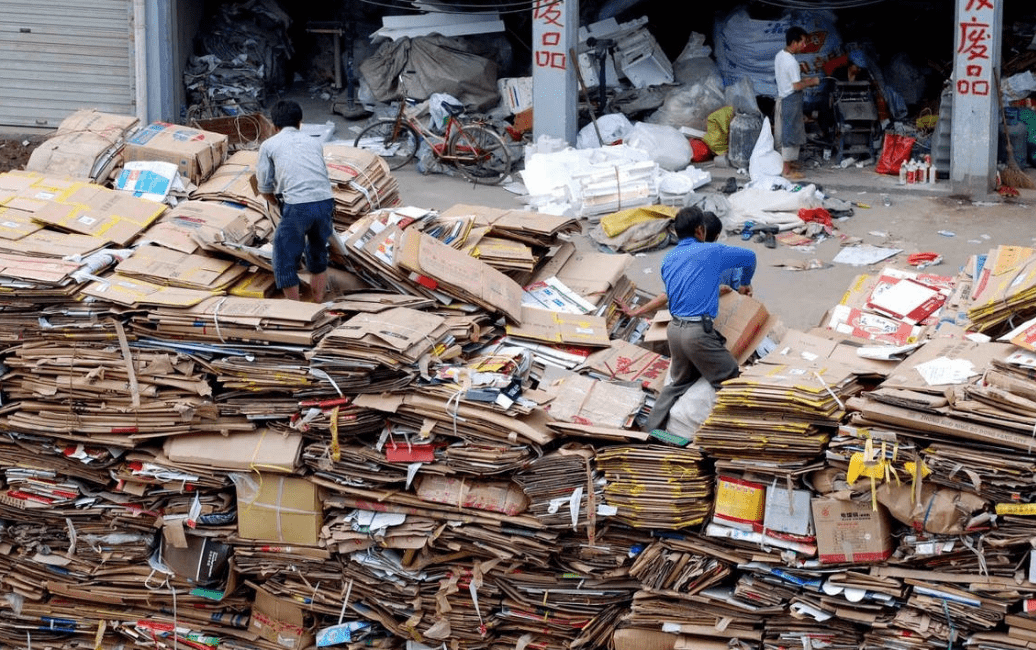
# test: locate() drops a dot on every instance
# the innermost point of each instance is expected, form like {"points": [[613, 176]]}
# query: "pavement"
{"points": [[919, 218]]}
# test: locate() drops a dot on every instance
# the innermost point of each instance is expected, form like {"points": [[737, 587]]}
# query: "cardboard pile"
{"points": [[87, 145], [451, 456], [361, 182]]}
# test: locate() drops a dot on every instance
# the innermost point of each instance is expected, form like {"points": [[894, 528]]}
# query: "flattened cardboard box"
{"points": [[90, 209], [192, 225], [239, 451], [279, 621], [275, 508], [195, 152], [173, 268], [640, 639], [584, 400], [449, 269], [555, 327], [625, 361], [494, 496], [131, 292], [742, 320], [86, 145], [851, 532]]}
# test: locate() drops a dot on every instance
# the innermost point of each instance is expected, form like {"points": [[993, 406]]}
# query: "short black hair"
{"points": [[286, 112], [793, 34], [713, 227], [688, 220]]}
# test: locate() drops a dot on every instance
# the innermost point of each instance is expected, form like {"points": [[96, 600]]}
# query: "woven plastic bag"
{"points": [[895, 151]]}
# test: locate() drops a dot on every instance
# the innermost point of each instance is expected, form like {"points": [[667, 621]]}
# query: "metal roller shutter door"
{"points": [[62, 55]]}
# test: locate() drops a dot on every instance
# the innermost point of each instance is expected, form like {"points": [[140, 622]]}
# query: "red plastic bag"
{"points": [[894, 152], [700, 151]]}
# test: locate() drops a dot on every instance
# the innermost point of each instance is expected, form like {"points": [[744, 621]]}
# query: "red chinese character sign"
{"points": [[976, 109], [975, 45], [555, 98]]}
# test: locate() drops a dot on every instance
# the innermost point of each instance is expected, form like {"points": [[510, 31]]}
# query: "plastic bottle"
{"points": [[931, 174], [902, 172], [911, 172]]}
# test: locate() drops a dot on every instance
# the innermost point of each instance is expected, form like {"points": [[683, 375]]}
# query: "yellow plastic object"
{"points": [[870, 463], [617, 223], [927, 122], [717, 134]]}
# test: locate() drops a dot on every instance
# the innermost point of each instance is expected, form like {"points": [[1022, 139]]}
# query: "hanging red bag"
{"points": [[894, 152]]}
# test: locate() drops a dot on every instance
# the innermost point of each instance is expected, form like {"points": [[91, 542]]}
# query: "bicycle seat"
{"points": [[453, 109]]}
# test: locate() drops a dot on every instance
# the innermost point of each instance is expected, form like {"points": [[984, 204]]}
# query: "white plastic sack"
{"points": [[614, 127], [690, 411], [763, 205], [664, 144], [691, 105], [765, 161], [1018, 86], [741, 95], [439, 115]]}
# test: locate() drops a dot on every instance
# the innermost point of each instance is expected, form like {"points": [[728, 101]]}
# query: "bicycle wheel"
{"points": [[480, 154], [396, 143]]}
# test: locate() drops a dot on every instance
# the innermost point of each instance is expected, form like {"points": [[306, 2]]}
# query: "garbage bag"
{"points": [[691, 106], [765, 161], [690, 411], [614, 128], [664, 144]]}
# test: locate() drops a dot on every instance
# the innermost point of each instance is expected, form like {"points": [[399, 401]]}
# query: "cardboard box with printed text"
{"points": [[196, 153], [853, 532]]}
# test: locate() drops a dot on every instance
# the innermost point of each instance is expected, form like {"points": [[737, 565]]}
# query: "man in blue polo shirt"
{"points": [[692, 272], [291, 165]]}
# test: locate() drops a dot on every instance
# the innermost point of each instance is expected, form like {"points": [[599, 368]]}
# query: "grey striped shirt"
{"points": [[291, 164]]}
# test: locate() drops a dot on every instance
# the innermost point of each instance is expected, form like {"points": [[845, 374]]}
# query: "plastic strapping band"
{"points": [[127, 356], [320, 374], [215, 318], [336, 447], [828, 389], [454, 411], [983, 567], [949, 621], [345, 600], [173, 589]]}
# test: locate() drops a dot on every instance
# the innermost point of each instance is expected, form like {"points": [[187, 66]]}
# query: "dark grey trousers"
{"points": [[695, 350]]}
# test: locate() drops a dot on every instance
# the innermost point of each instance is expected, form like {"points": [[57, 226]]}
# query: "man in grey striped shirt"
{"points": [[291, 168]]}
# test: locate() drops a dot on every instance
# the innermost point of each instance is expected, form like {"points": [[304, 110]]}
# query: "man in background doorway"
{"points": [[789, 119]]}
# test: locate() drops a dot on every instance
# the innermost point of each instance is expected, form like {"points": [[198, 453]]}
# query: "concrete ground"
{"points": [[913, 222]]}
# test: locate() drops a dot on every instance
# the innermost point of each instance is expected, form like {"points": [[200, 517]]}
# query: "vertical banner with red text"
{"points": [[555, 94], [976, 108]]}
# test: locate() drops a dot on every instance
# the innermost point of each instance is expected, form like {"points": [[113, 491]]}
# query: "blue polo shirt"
{"points": [[691, 273]]}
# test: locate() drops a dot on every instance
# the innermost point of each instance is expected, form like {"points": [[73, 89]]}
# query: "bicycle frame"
{"points": [[437, 142], [472, 146]]}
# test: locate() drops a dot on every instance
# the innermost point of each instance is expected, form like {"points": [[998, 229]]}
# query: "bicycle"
{"points": [[477, 151]]}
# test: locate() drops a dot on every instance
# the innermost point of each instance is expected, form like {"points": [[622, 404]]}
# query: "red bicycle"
{"points": [[476, 150]]}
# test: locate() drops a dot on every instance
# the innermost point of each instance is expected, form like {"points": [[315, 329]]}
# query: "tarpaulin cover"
{"points": [[745, 47], [431, 64]]}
